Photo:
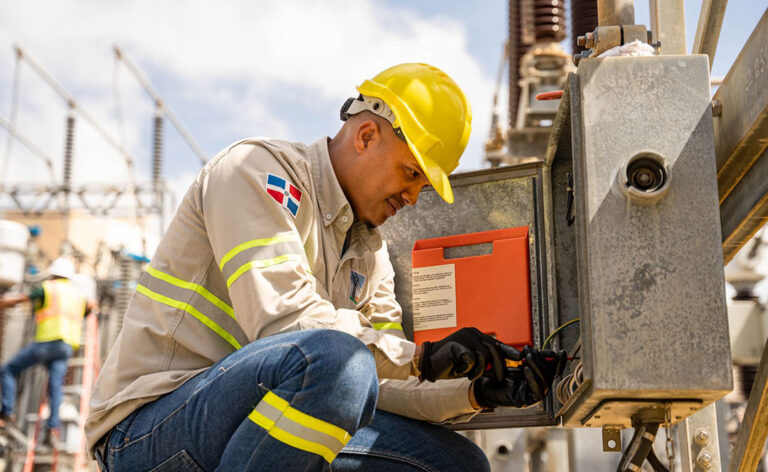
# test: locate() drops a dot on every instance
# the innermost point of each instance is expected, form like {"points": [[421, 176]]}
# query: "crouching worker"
{"points": [[265, 334]]}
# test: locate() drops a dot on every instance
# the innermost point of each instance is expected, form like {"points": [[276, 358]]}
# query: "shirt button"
{"points": [[327, 216], [344, 219]]}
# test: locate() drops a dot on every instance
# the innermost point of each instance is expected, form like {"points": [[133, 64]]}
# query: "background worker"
{"points": [[265, 331], [59, 307]]}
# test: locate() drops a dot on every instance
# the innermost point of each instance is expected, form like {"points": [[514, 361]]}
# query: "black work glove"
{"points": [[523, 385], [465, 353], [541, 367], [513, 391]]}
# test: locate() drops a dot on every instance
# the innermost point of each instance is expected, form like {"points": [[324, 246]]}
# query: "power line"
{"points": [[14, 133], [160, 103], [87, 117]]}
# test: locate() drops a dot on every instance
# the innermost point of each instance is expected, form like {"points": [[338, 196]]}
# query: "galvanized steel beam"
{"points": [[741, 137], [745, 210], [668, 25], [708, 30], [700, 444], [754, 428]]}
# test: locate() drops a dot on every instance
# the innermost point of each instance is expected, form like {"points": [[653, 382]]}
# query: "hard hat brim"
{"points": [[436, 176]]}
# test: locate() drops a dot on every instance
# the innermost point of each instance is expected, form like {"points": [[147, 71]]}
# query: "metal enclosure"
{"points": [[650, 280], [643, 269], [484, 200]]}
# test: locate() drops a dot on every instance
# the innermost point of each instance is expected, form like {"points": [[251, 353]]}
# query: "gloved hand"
{"points": [[512, 391], [541, 367], [523, 385], [465, 353]]}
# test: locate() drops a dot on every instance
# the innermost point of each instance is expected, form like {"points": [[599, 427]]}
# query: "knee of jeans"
{"points": [[345, 353], [475, 459], [351, 364]]}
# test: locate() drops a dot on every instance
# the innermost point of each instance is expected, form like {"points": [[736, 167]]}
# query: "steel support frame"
{"points": [[754, 428], [700, 445], [741, 141], [708, 29]]}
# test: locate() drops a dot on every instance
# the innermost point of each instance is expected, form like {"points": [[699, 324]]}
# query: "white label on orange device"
{"points": [[434, 297]]}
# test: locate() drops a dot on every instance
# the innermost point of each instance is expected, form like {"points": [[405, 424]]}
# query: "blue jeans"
{"points": [[208, 423], [55, 355]]}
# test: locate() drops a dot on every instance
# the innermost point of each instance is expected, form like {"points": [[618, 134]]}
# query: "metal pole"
{"points": [[668, 25], [708, 30], [615, 12]]}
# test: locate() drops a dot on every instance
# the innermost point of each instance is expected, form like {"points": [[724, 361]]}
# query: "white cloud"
{"points": [[236, 68]]}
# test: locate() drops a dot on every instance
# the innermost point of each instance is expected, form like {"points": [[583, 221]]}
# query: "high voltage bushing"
{"points": [[69, 144], [521, 37], [549, 20], [157, 149], [583, 19], [514, 59]]}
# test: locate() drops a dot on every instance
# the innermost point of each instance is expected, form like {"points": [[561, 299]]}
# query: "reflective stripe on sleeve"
{"points": [[190, 286], [297, 429], [388, 325], [281, 237], [262, 264], [192, 311]]}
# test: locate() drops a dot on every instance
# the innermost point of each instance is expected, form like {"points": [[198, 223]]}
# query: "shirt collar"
{"points": [[334, 206]]}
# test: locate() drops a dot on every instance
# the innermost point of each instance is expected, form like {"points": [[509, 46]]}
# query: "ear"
{"points": [[367, 132]]}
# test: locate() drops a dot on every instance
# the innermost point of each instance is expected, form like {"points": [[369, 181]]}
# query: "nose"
{"points": [[411, 193]]}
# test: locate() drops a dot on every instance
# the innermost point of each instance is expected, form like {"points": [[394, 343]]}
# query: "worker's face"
{"points": [[388, 176]]}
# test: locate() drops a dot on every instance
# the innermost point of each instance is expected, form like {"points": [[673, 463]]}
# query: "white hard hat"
{"points": [[62, 267]]}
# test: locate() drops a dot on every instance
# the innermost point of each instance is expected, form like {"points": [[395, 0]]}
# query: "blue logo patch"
{"points": [[356, 283]]}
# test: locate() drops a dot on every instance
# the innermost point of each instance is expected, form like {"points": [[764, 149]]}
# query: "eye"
{"points": [[415, 174]]}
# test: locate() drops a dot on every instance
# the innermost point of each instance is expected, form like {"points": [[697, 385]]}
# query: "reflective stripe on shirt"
{"points": [[260, 254], [194, 299], [298, 429], [389, 325]]}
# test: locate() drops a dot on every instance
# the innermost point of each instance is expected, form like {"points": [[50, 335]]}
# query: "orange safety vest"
{"points": [[61, 315]]}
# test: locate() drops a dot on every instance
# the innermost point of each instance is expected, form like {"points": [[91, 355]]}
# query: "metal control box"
{"points": [[649, 264]]}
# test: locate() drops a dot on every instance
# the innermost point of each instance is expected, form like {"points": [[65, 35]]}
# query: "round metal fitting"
{"points": [[503, 450], [645, 177], [701, 436], [704, 460]]}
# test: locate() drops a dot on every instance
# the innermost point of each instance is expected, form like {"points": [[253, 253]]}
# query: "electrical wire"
{"points": [[570, 383], [160, 104], [131, 175], [14, 133], [12, 121], [549, 338]]}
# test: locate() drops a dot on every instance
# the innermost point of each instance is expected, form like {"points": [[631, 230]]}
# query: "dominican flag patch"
{"points": [[284, 192]]}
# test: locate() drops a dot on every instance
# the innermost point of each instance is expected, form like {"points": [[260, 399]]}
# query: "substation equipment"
{"points": [[646, 187]]}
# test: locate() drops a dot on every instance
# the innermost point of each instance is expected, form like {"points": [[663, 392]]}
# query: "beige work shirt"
{"points": [[256, 248]]}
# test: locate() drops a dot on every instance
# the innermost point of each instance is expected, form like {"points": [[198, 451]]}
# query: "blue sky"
{"points": [[247, 68]]}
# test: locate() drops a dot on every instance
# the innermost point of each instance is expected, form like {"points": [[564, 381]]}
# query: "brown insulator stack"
{"points": [[69, 144], [521, 38], [157, 149], [583, 20], [514, 59], [549, 20]]}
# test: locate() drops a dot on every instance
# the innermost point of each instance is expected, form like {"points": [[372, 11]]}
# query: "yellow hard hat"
{"points": [[433, 114]]}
